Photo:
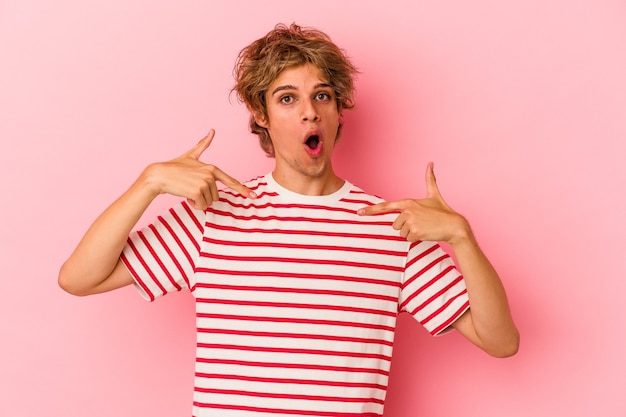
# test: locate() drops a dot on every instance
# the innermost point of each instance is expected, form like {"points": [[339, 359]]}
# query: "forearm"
{"points": [[488, 322], [98, 252], [491, 325], [94, 266]]}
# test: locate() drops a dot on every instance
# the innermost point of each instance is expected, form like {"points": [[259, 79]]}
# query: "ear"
{"points": [[260, 119]]}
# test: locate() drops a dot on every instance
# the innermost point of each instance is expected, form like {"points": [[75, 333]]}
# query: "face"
{"points": [[302, 122]]}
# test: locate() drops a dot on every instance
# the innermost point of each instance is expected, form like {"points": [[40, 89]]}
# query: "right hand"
{"points": [[190, 178]]}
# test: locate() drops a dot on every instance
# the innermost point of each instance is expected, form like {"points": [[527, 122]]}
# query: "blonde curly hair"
{"points": [[260, 63]]}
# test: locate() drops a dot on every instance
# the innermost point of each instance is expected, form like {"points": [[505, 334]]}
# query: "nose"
{"points": [[309, 111]]}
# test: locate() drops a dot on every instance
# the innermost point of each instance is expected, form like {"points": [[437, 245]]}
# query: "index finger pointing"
{"points": [[232, 183], [382, 208]]}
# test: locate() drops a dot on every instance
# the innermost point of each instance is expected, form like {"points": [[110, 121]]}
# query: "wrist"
{"points": [[148, 182], [462, 234]]}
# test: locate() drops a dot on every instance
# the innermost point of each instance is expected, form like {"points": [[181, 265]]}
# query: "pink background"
{"points": [[521, 104]]}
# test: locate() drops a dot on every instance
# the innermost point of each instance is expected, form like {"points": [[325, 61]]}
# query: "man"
{"points": [[298, 275]]}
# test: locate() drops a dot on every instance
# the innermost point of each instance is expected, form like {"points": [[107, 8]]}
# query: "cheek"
{"points": [[278, 121]]}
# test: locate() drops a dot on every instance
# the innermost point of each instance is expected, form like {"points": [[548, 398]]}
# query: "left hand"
{"points": [[429, 218]]}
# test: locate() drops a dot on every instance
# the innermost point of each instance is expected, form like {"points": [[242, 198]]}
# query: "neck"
{"points": [[307, 185]]}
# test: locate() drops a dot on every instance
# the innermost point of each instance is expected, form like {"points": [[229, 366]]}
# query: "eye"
{"points": [[287, 99], [322, 96]]}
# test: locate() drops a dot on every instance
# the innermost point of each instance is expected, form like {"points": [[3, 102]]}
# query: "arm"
{"points": [[488, 323], [95, 264]]}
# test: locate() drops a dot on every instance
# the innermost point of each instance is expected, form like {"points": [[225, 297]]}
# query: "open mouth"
{"points": [[313, 142]]}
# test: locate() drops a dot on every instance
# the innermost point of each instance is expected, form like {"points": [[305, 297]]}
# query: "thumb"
{"points": [[201, 146], [432, 191]]}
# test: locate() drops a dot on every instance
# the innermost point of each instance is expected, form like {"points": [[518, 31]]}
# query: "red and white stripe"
{"points": [[296, 298]]}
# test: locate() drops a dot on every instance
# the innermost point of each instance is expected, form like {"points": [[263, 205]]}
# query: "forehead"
{"points": [[300, 76]]}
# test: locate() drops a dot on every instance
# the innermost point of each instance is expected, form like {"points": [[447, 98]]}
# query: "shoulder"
{"points": [[356, 193]]}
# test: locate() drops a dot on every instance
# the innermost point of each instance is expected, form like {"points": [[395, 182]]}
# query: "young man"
{"points": [[298, 275]]}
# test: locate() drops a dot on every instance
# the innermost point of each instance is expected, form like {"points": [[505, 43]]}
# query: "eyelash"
{"points": [[326, 97]]}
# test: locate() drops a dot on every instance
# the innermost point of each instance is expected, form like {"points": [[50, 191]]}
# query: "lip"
{"points": [[313, 153]]}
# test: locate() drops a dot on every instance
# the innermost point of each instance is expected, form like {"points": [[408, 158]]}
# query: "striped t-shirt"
{"points": [[296, 297]]}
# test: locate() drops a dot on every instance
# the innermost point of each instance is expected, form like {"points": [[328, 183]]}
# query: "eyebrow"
{"points": [[292, 87]]}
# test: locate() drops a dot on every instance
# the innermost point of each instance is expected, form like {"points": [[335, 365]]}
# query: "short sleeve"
{"points": [[433, 290], [162, 256]]}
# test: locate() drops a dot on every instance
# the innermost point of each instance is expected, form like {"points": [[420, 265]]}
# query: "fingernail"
{"points": [[252, 194], [360, 212]]}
